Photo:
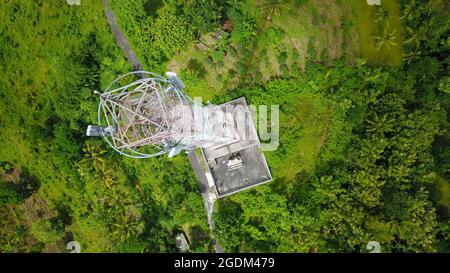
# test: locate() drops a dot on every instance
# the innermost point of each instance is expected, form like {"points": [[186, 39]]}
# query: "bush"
{"points": [[203, 15], [282, 57], [241, 68], [218, 56], [209, 60], [444, 85], [8, 195], [295, 55], [171, 33], [284, 70], [196, 68], [151, 7], [273, 36], [324, 55], [232, 52], [312, 53], [232, 73], [258, 77]]}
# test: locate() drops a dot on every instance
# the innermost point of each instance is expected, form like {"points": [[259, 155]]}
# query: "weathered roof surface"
{"points": [[254, 170]]}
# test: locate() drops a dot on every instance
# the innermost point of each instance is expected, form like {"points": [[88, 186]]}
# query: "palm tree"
{"points": [[387, 39], [411, 55], [408, 9], [413, 42], [92, 160], [380, 125], [381, 14], [93, 154], [106, 174], [413, 37], [125, 224], [273, 7]]}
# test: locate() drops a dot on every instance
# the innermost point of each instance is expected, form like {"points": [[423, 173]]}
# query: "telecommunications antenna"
{"points": [[142, 114]]}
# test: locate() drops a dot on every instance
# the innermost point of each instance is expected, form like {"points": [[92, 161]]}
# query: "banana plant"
{"points": [[379, 124], [413, 37], [412, 55], [273, 7], [387, 39], [413, 43], [381, 14], [408, 10]]}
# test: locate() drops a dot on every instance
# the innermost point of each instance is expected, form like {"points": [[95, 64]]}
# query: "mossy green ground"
{"points": [[368, 29], [314, 117]]}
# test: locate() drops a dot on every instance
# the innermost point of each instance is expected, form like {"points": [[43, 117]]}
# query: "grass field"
{"points": [[387, 55], [314, 120]]}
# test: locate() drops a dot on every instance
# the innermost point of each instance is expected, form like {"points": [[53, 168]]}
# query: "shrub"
{"points": [[232, 52], [204, 15], [218, 56], [171, 33], [444, 85], [324, 55], [232, 73], [284, 70], [312, 53], [273, 36], [196, 68], [241, 68], [282, 57], [295, 55], [258, 76]]}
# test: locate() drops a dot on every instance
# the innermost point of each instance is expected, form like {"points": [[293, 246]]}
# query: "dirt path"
{"points": [[208, 203], [120, 38]]}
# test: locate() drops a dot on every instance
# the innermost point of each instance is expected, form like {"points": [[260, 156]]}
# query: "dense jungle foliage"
{"points": [[364, 97]]}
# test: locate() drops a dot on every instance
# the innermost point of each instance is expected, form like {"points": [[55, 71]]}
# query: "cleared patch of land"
{"points": [[380, 24], [281, 48]]}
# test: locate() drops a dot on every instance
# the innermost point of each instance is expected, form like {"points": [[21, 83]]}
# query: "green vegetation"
{"points": [[381, 32], [364, 134]]}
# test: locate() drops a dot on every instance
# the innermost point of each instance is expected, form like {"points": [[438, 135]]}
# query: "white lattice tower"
{"points": [[152, 116]]}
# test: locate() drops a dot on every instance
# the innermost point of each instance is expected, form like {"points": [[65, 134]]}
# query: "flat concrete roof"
{"points": [[254, 170]]}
